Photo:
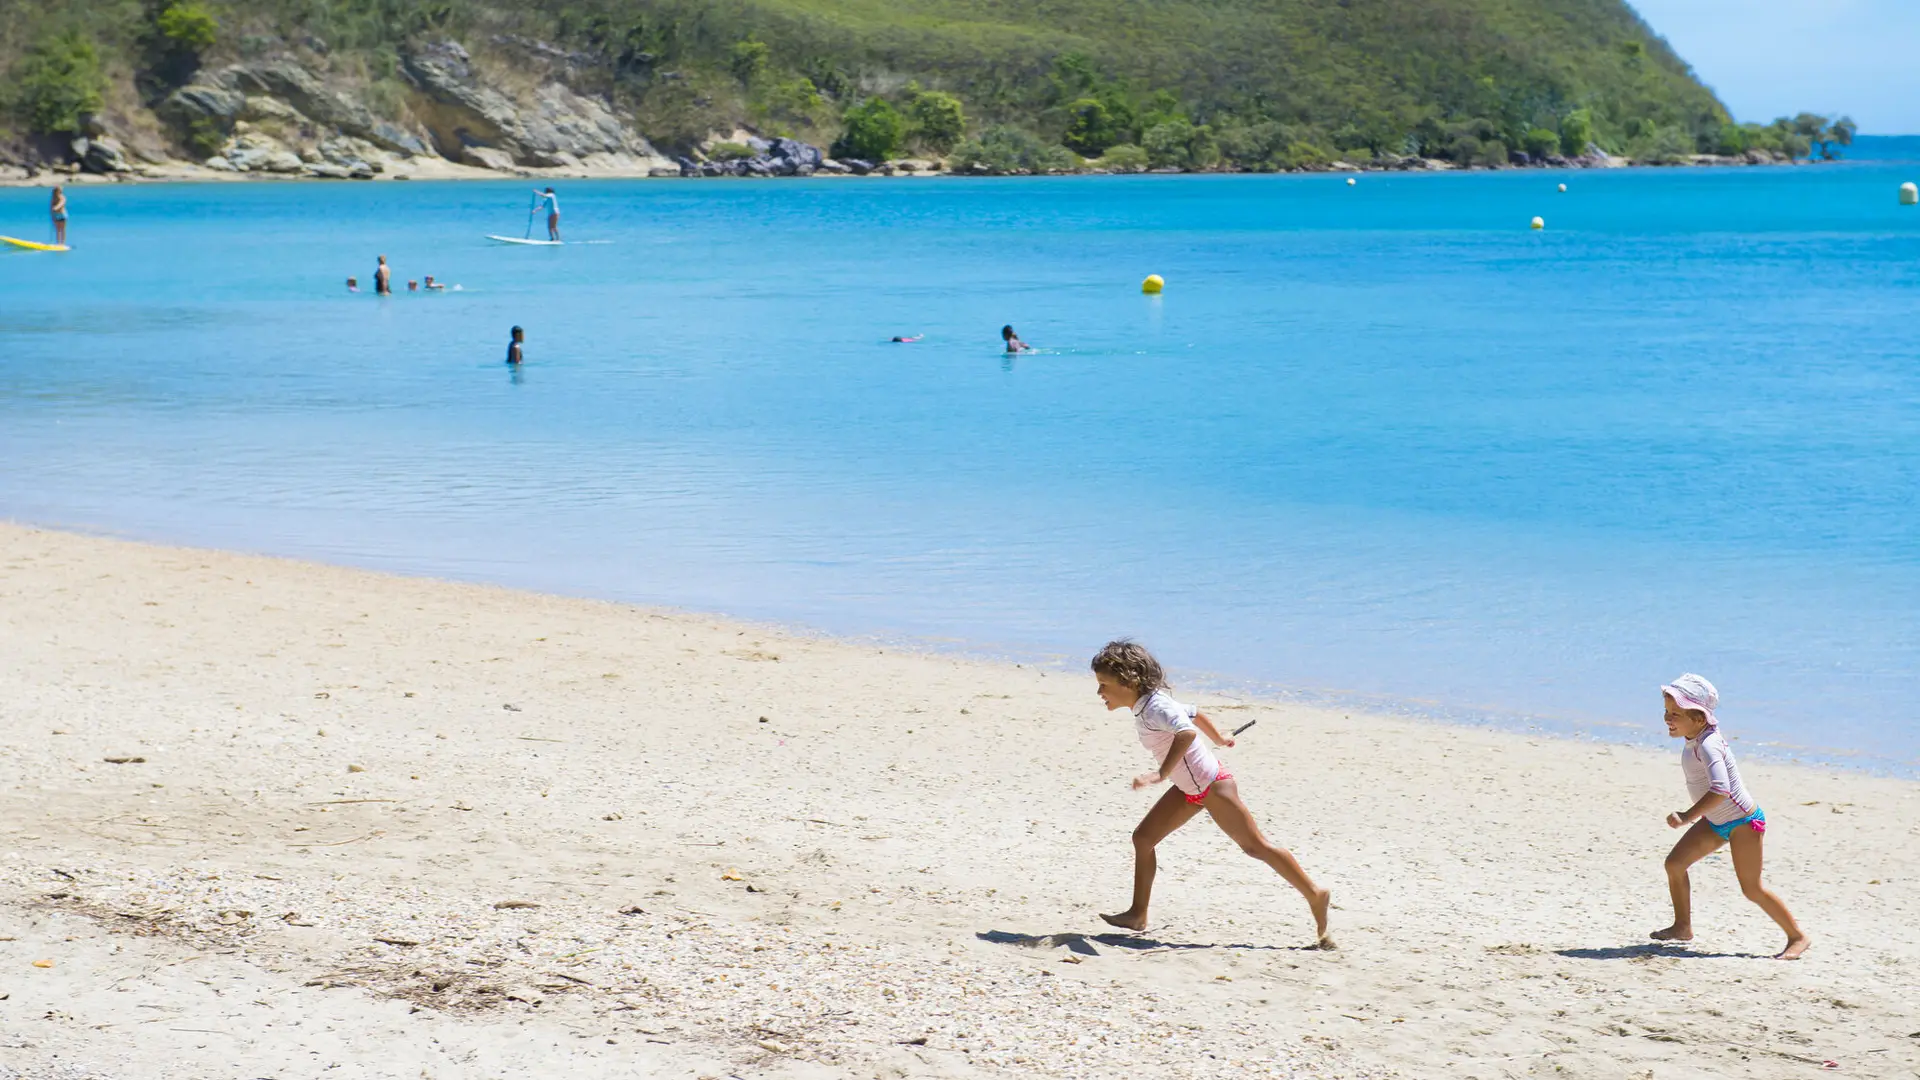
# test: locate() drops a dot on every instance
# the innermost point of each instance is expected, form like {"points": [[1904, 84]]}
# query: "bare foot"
{"points": [[1127, 920], [1320, 902], [1673, 933], [1795, 948]]}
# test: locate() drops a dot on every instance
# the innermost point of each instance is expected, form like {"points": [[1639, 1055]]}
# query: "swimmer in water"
{"points": [[1014, 344], [909, 340], [414, 286], [353, 284], [432, 284], [513, 347]]}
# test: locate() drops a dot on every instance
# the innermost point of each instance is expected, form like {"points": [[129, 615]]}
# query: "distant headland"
{"points": [[448, 88]]}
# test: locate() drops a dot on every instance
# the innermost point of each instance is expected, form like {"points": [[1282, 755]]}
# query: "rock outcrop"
{"points": [[776, 157], [474, 122], [101, 154], [282, 114], [281, 90]]}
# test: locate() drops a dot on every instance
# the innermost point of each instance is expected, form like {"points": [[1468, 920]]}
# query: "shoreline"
{"points": [[551, 831], [440, 169], [1241, 691]]}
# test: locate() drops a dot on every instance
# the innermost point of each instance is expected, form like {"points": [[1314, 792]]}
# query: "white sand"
{"points": [[903, 827]]}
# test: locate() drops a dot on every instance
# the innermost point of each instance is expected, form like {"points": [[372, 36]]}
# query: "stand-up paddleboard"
{"points": [[518, 240], [29, 245]]}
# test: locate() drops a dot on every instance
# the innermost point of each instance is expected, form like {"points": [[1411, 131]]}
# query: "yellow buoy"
{"points": [[1539, 223], [1910, 194], [1153, 284], [1563, 189]]}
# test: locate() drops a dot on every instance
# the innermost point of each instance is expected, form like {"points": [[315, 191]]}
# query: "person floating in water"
{"points": [[353, 284], [383, 278], [433, 285], [514, 356], [59, 211], [553, 213], [909, 340], [414, 286], [1014, 344]]}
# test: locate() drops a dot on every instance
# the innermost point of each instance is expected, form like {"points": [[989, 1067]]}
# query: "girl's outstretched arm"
{"points": [[1697, 811], [1178, 750], [1206, 728]]}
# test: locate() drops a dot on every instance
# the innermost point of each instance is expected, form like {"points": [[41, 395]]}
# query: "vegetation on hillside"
{"points": [[1251, 84]]}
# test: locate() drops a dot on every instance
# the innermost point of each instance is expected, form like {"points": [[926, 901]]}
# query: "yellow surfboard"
{"points": [[30, 245]]}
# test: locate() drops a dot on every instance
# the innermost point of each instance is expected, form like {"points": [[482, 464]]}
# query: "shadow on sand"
{"points": [[1655, 948], [1084, 943]]}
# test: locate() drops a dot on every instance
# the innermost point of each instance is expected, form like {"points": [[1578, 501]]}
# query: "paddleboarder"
{"points": [[59, 212], [553, 212]]}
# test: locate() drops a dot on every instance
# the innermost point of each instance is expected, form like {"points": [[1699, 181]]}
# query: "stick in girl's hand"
{"points": [[1243, 727]]}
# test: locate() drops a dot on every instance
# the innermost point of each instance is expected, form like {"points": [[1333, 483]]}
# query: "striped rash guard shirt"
{"points": [[1157, 718], [1708, 765]]}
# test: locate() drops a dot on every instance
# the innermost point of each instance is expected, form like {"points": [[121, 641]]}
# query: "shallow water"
{"points": [[1380, 443]]}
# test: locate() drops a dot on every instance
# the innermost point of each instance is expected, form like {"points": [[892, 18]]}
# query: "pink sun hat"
{"points": [[1692, 691]]}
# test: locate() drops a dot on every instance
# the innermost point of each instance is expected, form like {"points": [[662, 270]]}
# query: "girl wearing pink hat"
{"points": [[1722, 813]]}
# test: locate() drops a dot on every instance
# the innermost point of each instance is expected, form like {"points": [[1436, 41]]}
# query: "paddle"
{"points": [[531, 210]]}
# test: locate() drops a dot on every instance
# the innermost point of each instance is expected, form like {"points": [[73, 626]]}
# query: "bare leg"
{"points": [[1172, 811], [1747, 849], [1697, 843], [1234, 819]]}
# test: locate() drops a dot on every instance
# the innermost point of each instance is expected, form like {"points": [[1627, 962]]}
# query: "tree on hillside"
{"points": [[937, 118], [59, 83], [1576, 132], [1808, 126], [180, 34], [747, 60], [874, 131], [1838, 133], [1092, 127]]}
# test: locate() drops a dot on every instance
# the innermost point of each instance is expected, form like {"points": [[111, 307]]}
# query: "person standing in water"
{"points": [[553, 213], [514, 355], [59, 211], [383, 278], [1014, 344]]}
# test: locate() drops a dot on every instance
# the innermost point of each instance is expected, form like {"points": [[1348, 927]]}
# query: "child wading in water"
{"points": [[1130, 678], [1722, 813]]}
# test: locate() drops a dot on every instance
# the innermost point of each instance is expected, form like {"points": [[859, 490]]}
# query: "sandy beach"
{"points": [[266, 818]]}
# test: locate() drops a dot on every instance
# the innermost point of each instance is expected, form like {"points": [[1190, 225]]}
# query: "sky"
{"points": [[1768, 58]]}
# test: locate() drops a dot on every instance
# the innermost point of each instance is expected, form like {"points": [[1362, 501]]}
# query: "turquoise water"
{"points": [[1380, 443]]}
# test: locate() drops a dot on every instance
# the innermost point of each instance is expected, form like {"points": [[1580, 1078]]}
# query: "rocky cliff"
{"points": [[287, 114]]}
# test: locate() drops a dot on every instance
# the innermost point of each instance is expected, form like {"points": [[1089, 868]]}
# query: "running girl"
{"points": [[1722, 813], [1130, 678]]}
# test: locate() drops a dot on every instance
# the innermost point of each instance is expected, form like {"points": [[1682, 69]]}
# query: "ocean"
{"points": [[1380, 444]]}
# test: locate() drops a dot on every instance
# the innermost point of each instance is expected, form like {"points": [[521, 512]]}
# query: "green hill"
{"points": [[1186, 83]]}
